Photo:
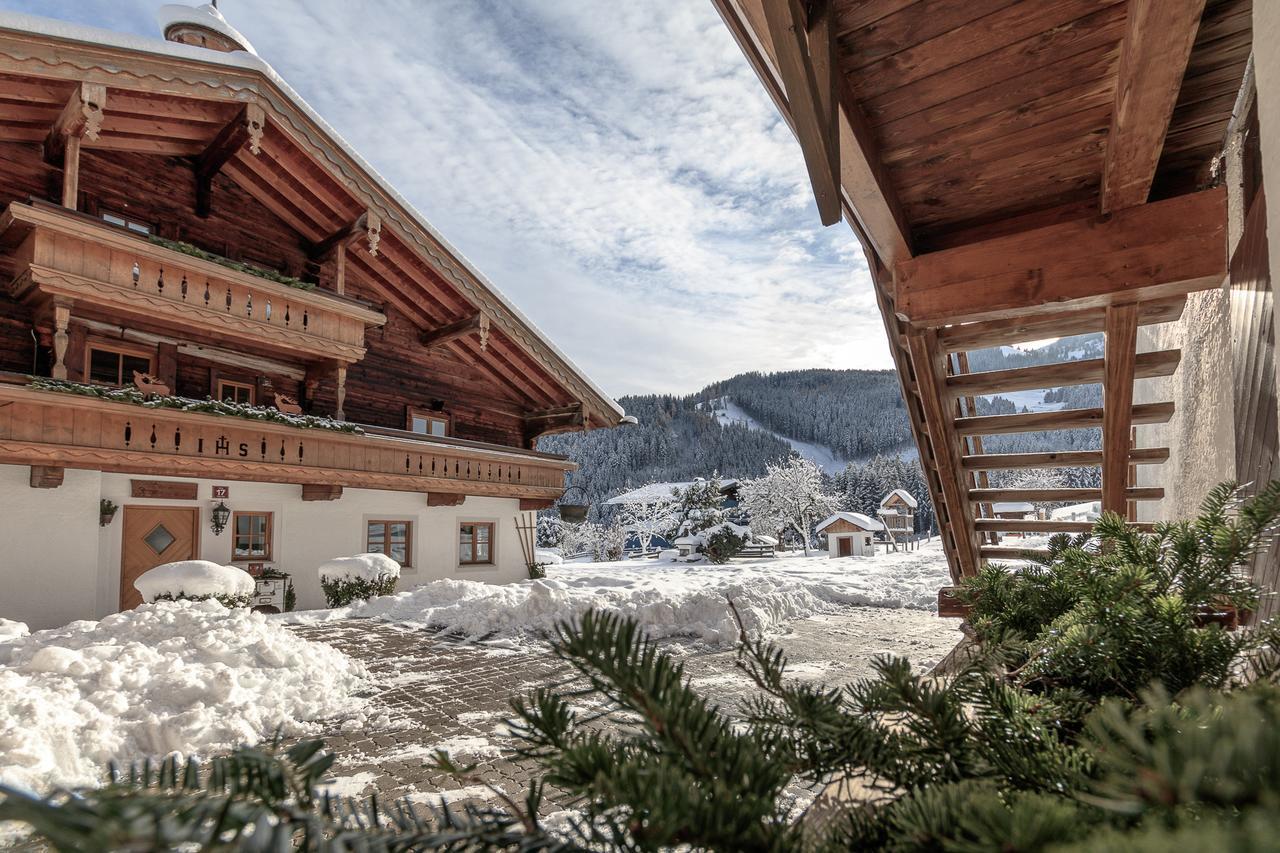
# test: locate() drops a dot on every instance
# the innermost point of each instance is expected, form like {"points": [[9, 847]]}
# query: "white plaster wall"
{"points": [[57, 564], [860, 549], [48, 548], [1201, 435]]}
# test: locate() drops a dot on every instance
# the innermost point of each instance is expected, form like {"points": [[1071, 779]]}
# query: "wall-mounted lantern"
{"points": [[221, 515]]}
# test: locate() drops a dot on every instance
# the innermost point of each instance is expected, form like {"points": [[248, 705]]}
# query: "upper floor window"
{"points": [[126, 222], [235, 392], [114, 364], [251, 536], [428, 423]]}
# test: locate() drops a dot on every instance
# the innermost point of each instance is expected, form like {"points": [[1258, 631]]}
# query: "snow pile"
{"points": [[194, 577], [670, 600], [187, 676], [10, 630], [367, 567], [547, 557]]}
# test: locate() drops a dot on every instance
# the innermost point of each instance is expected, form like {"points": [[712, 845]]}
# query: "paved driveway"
{"points": [[444, 694]]}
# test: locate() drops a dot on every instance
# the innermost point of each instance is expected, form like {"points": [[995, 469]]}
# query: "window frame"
{"points": [[428, 415], [386, 538], [236, 383], [127, 222], [267, 545], [493, 530], [120, 349]]}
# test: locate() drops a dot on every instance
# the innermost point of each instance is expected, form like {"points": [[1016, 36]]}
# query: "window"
{"points": [[392, 538], [251, 536], [428, 423], [125, 222], [235, 392], [475, 543], [115, 364]]}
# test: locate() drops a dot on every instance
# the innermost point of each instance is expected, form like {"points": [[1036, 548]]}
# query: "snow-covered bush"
{"points": [[196, 580], [723, 542], [348, 579]]}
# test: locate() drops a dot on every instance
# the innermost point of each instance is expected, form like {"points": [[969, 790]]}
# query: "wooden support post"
{"points": [[71, 173], [339, 411], [80, 118], [929, 361], [61, 319], [46, 476], [340, 269], [1117, 404]]}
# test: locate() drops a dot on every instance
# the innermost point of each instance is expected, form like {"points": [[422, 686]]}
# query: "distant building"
{"points": [[898, 513], [850, 534], [654, 492]]}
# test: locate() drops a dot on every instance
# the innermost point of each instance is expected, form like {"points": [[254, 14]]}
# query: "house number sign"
{"points": [[221, 492]]}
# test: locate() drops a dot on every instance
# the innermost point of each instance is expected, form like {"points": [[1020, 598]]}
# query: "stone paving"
{"points": [[432, 692]]}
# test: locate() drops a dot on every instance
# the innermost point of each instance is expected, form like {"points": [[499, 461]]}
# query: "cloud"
{"points": [[615, 168]]}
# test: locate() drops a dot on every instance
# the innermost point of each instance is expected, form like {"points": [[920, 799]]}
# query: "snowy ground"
{"points": [[728, 412], [1032, 401], [689, 600]]}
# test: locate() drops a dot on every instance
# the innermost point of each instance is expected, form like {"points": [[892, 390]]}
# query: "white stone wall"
{"points": [[860, 548], [57, 564]]}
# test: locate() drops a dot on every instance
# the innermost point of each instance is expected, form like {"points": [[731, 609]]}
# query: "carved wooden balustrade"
{"points": [[50, 428], [91, 269]]}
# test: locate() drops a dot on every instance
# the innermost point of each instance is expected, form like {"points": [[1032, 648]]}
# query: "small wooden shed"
{"points": [[850, 534], [898, 513]]}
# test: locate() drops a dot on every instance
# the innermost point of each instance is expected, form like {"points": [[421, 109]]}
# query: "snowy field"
{"points": [[688, 600], [1032, 401], [728, 412]]}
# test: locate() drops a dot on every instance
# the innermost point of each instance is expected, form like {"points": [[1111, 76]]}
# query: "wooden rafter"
{"points": [[994, 333], [1153, 251], [245, 129], [367, 225], [1117, 404], [555, 420], [452, 331], [804, 48], [1153, 57], [1066, 495], [81, 117], [1081, 372], [1059, 459], [1143, 413]]}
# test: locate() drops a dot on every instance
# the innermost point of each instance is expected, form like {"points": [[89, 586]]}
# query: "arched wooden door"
{"points": [[154, 535]]}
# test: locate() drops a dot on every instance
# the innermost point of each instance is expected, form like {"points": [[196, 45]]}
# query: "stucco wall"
{"points": [[57, 530], [1200, 437]]}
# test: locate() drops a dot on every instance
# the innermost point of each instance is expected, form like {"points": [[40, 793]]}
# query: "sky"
{"points": [[616, 169]]}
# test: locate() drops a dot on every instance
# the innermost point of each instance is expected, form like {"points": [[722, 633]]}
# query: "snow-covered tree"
{"points": [[649, 519], [696, 507], [791, 495]]}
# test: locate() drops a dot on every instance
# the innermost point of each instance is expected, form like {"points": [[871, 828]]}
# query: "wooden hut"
{"points": [[850, 534]]}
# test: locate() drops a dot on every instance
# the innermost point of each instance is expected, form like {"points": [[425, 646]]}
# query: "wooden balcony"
{"points": [[93, 270], [56, 429]]}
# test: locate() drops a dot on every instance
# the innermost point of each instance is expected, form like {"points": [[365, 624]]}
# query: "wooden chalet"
{"points": [[174, 218], [1018, 171]]}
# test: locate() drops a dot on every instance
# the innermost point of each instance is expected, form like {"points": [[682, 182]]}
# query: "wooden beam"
{"points": [[245, 128], [445, 499], [1063, 495], [80, 118], [1081, 372], [46, 476], [1153, 58], [1025, 525], [534, 504], [1059, 459], [450, 331], [1010, 552], [994, 333], [1144, 413], [1159, 250], [929, 362], [321, 492], [368, 225], [1117, 404], [807, 66]]}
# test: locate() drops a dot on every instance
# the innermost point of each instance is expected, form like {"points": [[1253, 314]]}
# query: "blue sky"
{"points": [[615, 168]]}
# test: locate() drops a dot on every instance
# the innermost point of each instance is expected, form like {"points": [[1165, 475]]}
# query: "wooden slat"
{"points": [[929, 362], [1009, 552], [1144, 413], [1063, 495], [1117, 404], [1164, 249], [1080, 372], [1157, 43], [1059, 459], [800, 59], [994, 333], [1023, 525]]}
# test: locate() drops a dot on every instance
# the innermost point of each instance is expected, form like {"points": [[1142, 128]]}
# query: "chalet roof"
{"points": [[244, 77], [1012, 507], [902, 494], [855, 518], [659, 491]]}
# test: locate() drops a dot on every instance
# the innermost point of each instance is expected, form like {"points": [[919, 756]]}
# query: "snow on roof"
{"points": [[206, 16], [654, 492], [1012, 506], [854, 518], [1078, 512], [35, 24], [904, 495]]}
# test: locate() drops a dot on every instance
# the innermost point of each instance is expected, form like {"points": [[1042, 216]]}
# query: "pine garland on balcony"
{"points": [[238, 266], [206, 406]]}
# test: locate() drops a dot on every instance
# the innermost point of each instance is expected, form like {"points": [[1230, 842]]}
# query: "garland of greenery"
{"points": [[238, 266], [207, 406]]}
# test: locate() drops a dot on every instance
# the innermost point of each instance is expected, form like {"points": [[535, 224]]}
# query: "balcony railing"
{"points": [[48, 428], [105, 272]]}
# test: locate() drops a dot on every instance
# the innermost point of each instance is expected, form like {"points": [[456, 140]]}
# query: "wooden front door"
{"points": [[844, 546], [154, 535]]}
